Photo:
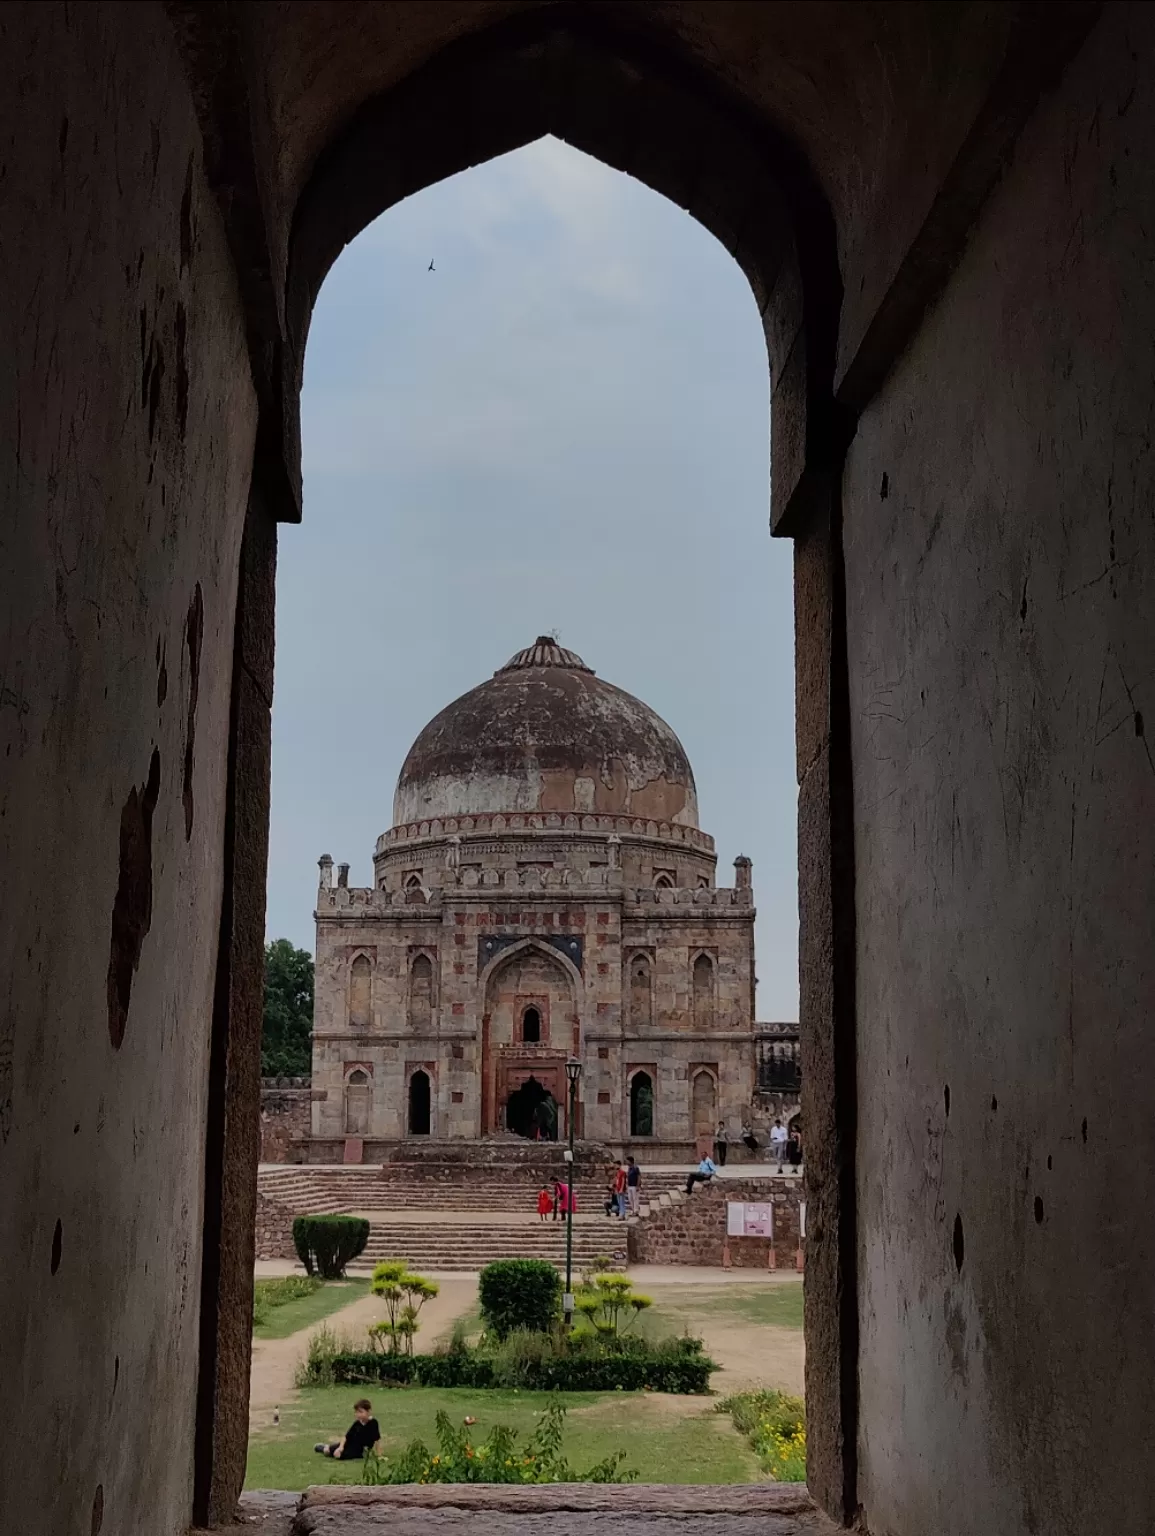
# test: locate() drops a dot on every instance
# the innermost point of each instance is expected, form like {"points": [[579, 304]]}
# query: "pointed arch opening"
{"points": [[420, 1117], [421, 993], [360, 992], [358, 1102], [641, 1104], [704, 1103], [703, 989]]}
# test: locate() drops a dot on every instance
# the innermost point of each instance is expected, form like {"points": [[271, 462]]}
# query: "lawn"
{"points": [[668, 1439], [307, 1310], [776, 1304]]}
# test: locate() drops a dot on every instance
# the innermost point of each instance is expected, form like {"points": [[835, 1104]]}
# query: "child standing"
{"points": [[544, 1203]]}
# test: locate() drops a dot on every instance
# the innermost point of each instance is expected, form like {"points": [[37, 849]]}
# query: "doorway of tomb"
{"points": [[420, 1098], [531, 1111]]}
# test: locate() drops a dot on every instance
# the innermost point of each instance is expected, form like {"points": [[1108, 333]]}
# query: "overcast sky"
{"points": [[564, 426]]}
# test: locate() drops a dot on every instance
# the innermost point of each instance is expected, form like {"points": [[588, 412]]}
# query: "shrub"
{"points": [[404, 1294], [496, 1460], [325, 1244], [519, 1295], [325, 1346], [775, 1425], [270, 1294], [519, 1358], [665, 1368]]}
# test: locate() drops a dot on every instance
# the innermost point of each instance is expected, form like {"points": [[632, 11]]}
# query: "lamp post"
{"points": [[573, 1071]]}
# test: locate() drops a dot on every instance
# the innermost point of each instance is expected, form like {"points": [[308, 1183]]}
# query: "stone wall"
{"points": [[286, 1110], [274, 1229], [1000, 560], [128, 417], [693, 1231]]}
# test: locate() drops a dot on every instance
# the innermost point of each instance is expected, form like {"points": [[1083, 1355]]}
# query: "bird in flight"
{"points": [[430, 267]]}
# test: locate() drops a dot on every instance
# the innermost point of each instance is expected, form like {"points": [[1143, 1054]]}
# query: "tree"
{"points": [[404, 1294], [608, 1299], [285, 1047]]}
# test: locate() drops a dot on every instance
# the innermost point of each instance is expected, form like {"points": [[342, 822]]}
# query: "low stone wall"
{"points": [[694, 1230], [274, 1229], [286, 1112]]}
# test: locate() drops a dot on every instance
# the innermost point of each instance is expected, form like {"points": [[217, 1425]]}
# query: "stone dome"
{"points": [[546, 734]]}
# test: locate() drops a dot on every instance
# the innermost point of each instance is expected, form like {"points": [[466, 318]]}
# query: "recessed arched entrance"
{"points": [[641, 1104], [420, 1104], [531, 1111]]}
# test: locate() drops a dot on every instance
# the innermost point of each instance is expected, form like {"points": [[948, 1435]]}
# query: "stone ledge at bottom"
{"points": [[591, 1509]]}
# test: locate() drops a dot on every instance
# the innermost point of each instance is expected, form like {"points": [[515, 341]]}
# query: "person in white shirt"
{"points": [[778, 1140]]}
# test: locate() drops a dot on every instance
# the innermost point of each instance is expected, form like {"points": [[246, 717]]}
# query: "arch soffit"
{"points": [[636, 108], [523, 947]]}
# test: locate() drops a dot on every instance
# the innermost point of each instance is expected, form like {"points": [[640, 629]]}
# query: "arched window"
{"points": [[531, 1026], [360, 991], [641, 1104], [421, 993], [703, 1103], [664, 882], [358, 1098], [420, 1101], [703, 992], [413, 883], [641, 991]]}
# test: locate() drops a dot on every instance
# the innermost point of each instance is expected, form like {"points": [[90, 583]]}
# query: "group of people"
{"points": [[785, 1146], [625, 1191], [556, 1200]]}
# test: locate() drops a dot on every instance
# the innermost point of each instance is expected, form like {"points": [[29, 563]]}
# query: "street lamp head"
{"points": [[573, 1070]]}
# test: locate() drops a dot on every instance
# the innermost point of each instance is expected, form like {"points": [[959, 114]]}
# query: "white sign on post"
{"points": [[749, 1220]]}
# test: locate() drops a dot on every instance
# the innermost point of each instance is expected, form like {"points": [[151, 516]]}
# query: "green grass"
{"points": [[292, 1316], [668, 1440], [773, 1305]]}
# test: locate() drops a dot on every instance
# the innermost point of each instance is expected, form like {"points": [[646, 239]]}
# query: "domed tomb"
{"points": [[546, 734]]}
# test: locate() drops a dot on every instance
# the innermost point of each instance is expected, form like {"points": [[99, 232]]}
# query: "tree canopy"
{"points": [[285, 1047]]}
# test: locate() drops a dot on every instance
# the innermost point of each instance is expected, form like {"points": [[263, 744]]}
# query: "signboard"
{"points": [[749, 1220]]}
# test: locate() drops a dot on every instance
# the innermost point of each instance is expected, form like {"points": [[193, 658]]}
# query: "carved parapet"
{"points": [[531, 822]]}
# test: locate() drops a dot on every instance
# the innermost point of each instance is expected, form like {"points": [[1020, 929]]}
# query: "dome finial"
{"points": [[545, 652]]}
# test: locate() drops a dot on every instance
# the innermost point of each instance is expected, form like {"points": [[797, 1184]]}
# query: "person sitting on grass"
{"points": [[361, 1436]]}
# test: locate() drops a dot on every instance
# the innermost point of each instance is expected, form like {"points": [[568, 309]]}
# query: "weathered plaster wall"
{"points": [[127, 417], [1000, 558]]}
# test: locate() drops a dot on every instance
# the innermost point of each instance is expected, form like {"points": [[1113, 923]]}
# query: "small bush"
{"points": [[775, 1425], [520, 1357], [326, 1244], [325, 1346], [519, 1295]]}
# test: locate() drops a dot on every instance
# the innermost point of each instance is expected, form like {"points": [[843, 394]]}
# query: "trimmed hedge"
{"points": [[325, 1244], [669, 1369], [519, 1294]]}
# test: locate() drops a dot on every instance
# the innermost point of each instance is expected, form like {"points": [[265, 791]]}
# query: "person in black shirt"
{"points": [[361, 1436]]}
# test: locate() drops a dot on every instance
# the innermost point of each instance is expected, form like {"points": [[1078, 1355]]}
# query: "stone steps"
{"points": [[302, 1189], [465, 1247]]}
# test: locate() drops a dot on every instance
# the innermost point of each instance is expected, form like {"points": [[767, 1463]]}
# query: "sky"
{"points": [[564, 427]]}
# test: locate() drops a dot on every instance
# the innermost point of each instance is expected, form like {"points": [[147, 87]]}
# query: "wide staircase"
{"points": [[458, 1218], [465, 1245], [405, 1187]]}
